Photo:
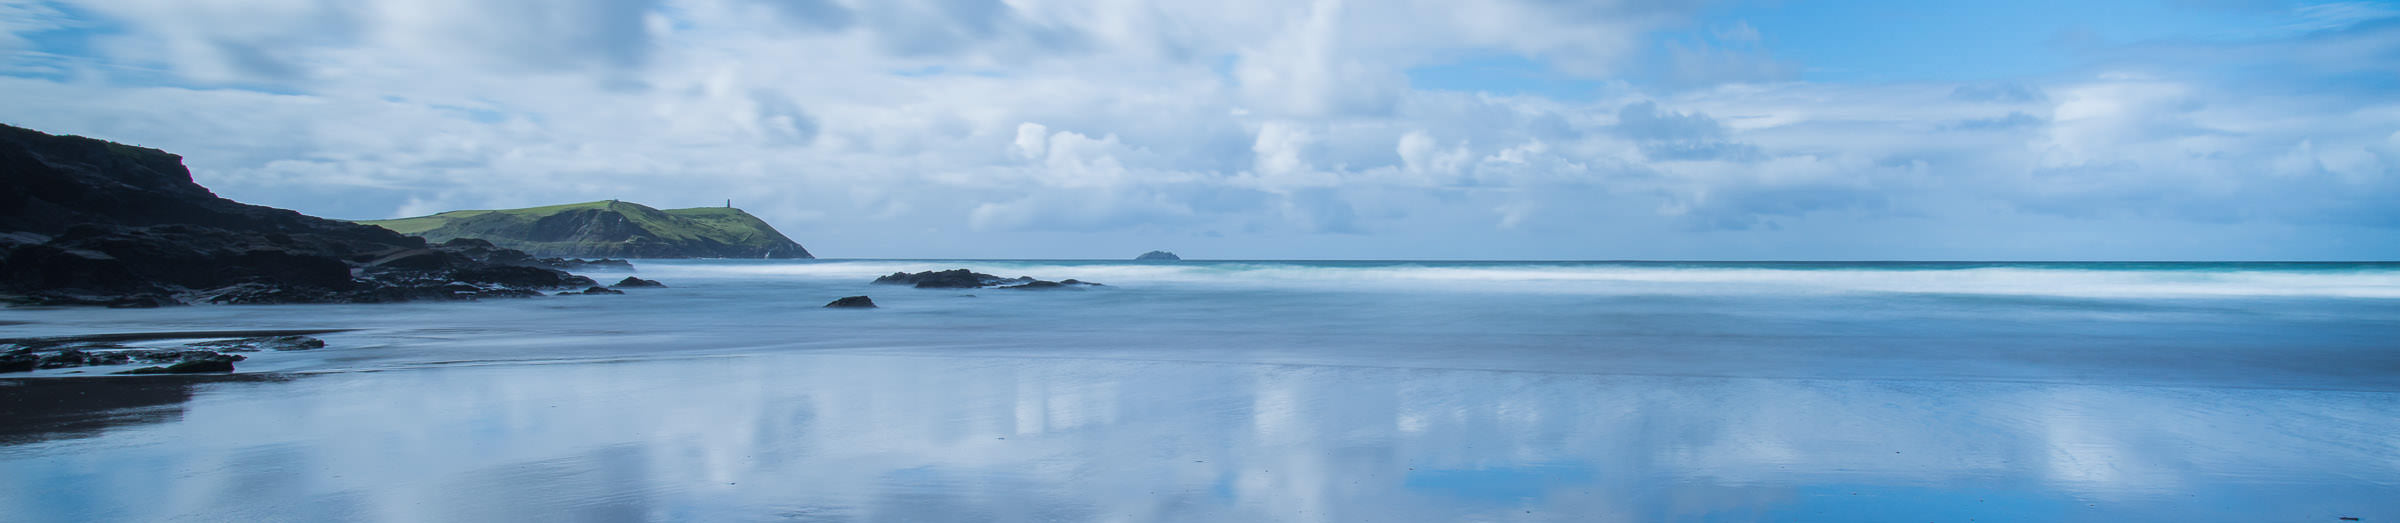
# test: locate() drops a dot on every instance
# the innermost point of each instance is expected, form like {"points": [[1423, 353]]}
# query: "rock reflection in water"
{"points": [[33, 410], [838, 437]]}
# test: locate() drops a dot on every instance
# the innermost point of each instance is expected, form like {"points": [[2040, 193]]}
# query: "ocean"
{"points": [[1264, 391]]}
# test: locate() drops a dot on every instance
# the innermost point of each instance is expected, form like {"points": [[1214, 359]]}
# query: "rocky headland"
{"points": [[609, 229], [90, 222]]}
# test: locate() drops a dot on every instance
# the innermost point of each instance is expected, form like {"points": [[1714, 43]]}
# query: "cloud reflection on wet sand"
{"points": [[836, 437]]}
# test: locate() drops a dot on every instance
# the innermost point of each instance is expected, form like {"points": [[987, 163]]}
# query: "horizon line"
{"points": [[1168, 262]]}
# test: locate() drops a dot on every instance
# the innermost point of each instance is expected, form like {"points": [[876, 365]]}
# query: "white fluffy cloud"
{"points": [[1036, 128]]}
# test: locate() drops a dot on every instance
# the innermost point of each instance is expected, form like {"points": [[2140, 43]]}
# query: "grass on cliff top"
{"points": [[724, 224]]}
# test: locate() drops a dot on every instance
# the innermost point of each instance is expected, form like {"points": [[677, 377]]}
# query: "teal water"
{"points": [[1264, 390]]}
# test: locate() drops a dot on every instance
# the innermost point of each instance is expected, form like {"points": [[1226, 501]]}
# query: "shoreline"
{"points": [[165, 335]]}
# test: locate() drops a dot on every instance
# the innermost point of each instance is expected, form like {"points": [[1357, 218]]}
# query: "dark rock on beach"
{"points": [[107, 358], [89, 222], [20, 360], [171, 355], [852, 302], [66, 358], [632, 282]]}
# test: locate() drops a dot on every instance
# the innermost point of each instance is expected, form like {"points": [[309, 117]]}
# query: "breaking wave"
{"points": [[2130, 280]]}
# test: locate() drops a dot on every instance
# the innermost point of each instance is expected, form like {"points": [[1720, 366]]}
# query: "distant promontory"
{"points": [[609, 229], [1158, 256]]}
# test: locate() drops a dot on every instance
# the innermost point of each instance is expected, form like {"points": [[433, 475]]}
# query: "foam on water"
{"points": [[2373, 281]]}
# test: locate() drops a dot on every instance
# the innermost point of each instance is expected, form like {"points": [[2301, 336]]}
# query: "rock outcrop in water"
{"points": [[609, 229], [949, 279], [176, 361], [631, 282], [852, 302], [579, 264], [213, 355], [1158, 256], [89, 222], [966, 279], [194, 364]]}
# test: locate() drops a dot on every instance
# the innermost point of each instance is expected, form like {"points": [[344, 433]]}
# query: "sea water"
{"points": [[1265, 391]]}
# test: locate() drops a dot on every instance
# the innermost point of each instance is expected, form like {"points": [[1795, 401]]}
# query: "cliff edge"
{"points": [[85, 221]]}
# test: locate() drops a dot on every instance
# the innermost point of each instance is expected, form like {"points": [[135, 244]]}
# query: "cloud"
{"points": [[1704, 64], [919, 28], [2002, 92], [1672, 136], [1257, 128], [2014, 120], [1280, 148], [1421, 154], [1079, 210], [1033, 141], [820, 15]]}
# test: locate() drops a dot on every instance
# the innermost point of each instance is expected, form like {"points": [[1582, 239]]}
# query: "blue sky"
{"points": [[1526, 129]]}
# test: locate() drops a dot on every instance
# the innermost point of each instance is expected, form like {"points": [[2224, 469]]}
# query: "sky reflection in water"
{"points": [[838, 437]]}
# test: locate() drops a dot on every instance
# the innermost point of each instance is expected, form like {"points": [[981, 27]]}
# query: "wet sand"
{"points": [[903, 437]]}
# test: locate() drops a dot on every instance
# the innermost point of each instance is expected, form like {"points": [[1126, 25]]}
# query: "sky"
{"points": [[1283, 129]]}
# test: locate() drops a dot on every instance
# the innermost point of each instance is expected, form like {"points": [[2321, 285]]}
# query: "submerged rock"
{"points": [[187, 362], [594, 291], [277, 343], [519, 276], [852, 302], [168, 355], [632, 282], [66, 358], [187, 367], [107, 358]]}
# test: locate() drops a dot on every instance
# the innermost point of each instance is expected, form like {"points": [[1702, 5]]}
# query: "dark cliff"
{"points": [[86, 221]]}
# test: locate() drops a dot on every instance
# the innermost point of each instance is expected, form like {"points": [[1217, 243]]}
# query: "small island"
{"points": [[1158, 256]]}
